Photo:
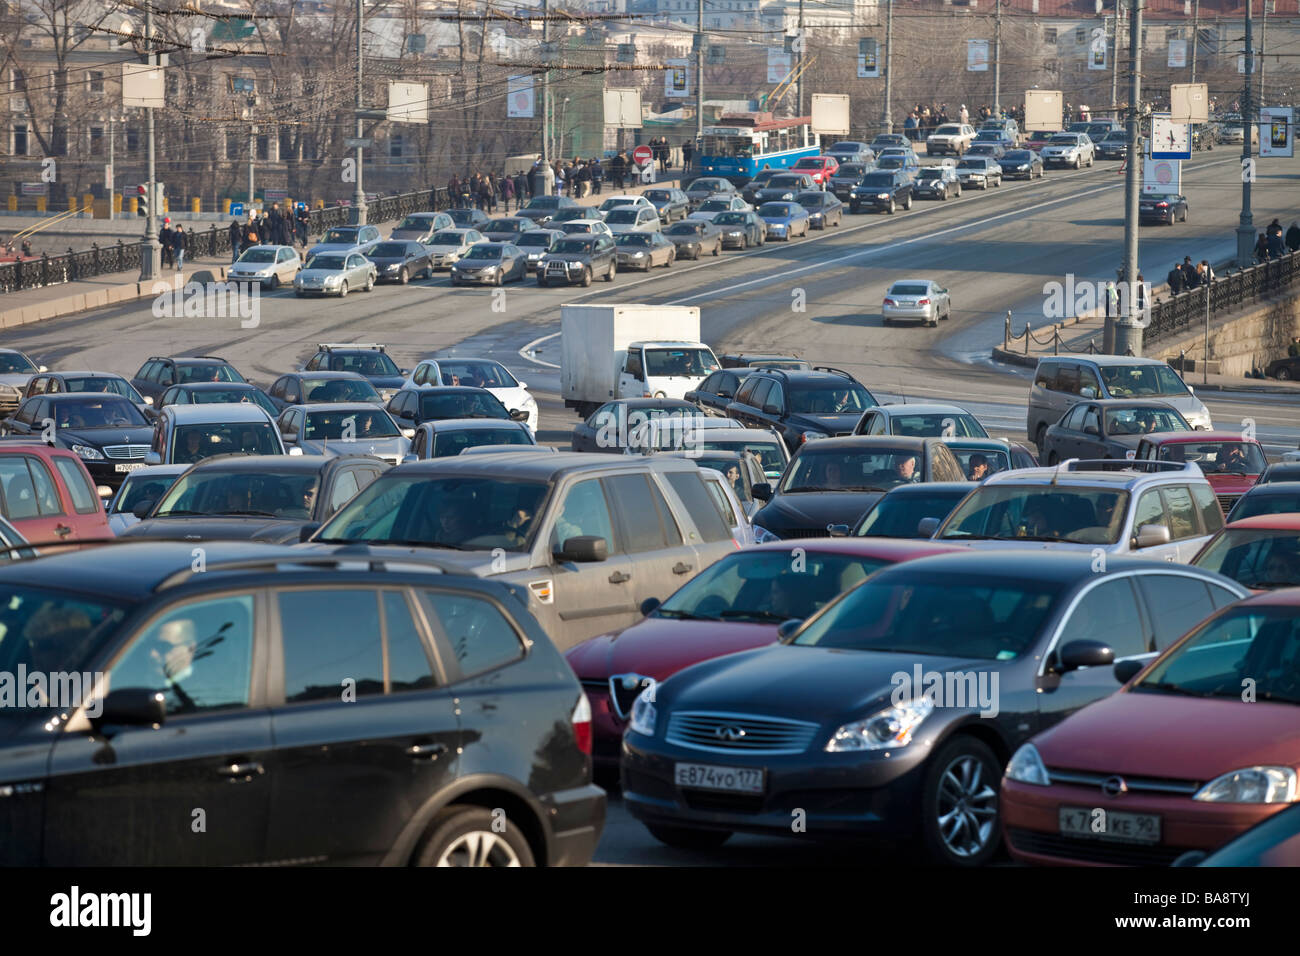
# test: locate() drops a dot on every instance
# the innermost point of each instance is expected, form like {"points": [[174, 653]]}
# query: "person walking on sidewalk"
{"points": [[1175, 280], [1293, 237], [179, 237], [507, 193], [303, 221], [165, 240], [618, 170], [688, 150], [236, 236], [597, 176]]}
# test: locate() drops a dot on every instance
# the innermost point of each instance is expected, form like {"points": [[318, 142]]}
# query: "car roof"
{"points": [[989, 444], [338, 407], [1274, 488], [653, 403], [1059, 567], [57, 397], [529, 465], [464, 424], [868, 442], [1182, 438], [1124, 475], [1106, 360], [1104, 403], [451, 390], [929, 488], [1288, 521], [335, 373], [289, 464], [192, 359], [799, 376], [63, 373], [744, 434], [217, 413], [215, 386], [934, 408]]}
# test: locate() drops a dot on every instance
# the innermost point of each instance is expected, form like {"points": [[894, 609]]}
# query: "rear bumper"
{"points": [[577, 821]]}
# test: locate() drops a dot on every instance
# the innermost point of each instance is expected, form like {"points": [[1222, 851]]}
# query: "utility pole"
{"points": [[1263, 51], [1114, 62], [546, 82], [252, 155], [888, 120], [1196, 33], [112, 173], [699, 74], [799, 64], [997, 58], [151, 257], [1246, 227], [1128, 334], [359, 195]]}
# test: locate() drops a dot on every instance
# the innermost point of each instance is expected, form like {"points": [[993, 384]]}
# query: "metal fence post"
{"points": [[1006, 332], [1026, 338]]}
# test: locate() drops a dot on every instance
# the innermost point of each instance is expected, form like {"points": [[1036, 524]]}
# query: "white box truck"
{"points": [[630, 351]]}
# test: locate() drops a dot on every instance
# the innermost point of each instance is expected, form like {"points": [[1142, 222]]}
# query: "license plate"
{"points": [[126, 468], [907, 303], [707, 777], [1112, 826]]}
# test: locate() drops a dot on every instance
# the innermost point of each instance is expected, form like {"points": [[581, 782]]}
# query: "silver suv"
{"points": [[1155, 509], [185, 434]]}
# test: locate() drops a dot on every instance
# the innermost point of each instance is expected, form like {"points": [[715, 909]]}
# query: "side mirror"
{"points": [[1078, 654], [1125, 671], [131, 707], [584, 548], [1150, 535], [724, 394], [41, 368], [648, 606], [142, 508], [926, 527], [521, 384], [406, 460], [408, 432], [153, 458], [1088, 392], [761, 491], [289, 437], [518, 415], [789, 627], [104, 492], [295, 451], [307, 530]]}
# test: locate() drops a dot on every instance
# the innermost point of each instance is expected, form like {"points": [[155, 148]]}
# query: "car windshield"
{"points": [[683, 361], [875, 181], [830, 399], [325, 262], [785, 182], [1116, 136], [572, 246], [96, 413], [196, 442], [712, 185], [415, 222], [465, 512], [118, 386], [1272, 503], [623, 214], [265, 494], [763, 586], [139, 487], [1142, 421], [1064, 140], [715, 205], [1019, 156], [544, 202], [730, 219], [582, 227], [226, 396], [633, 239], [978, 463], [1218, 457], [186, 374], [15, 362], [775, 210], [447, 239], [814, 198], [860, 469], [536, 237], [387, 250], [809, 162], [658, 195], [900, 516], [506, 225], [338, 390], [850, 171], [948, 130], [482, 250], [50, 632], [1246, 646], [930, 172], [350, 425], [476, 374], [1256, 557], [363, 363], [1128, 381], [451, 443], [617, 201], [846, 147], [685, 229], [439, 405], [259, 254], [335, 236], [972, 163], [767, 454], [904, 611], [891, 162], [956, 424], [463, 217], [1040, 512]]}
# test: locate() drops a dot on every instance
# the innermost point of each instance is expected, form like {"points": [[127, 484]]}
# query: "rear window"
{"points": [[699, 504]]}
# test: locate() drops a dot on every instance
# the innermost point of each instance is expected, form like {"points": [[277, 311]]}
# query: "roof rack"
{"points": [[339, 562], [328, 346], [835, 371], [1148, 465], [215, 358]]}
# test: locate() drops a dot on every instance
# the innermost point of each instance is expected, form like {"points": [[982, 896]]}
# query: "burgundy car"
{"points": [[1261, 552], [1231, 463], [735, 604], [1200, 746]]}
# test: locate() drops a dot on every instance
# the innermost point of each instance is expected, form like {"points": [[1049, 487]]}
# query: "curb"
{"points": [[100, 298]]}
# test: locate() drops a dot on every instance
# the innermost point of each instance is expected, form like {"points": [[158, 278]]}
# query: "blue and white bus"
{"points": [[751, 141]]}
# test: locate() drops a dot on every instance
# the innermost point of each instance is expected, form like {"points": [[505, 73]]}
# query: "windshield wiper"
{"points": [[758, 615], [1170, 689], [681, 615], [255, 514], [1271, 585], [182, 514]]}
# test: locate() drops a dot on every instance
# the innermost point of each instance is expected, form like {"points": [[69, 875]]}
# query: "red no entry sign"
{"points": [[642, 155]]}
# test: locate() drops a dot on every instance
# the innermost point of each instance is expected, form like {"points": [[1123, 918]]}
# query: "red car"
{"points": [[820, 168], [733, 605], [1232, 464], [1038, 139], [1262, 552], [1200, 746], [47, 494]]}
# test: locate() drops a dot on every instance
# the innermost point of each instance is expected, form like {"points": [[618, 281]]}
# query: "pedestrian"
{"points": [[303, 222], [584, 181], [178, 246], [618, 169], [1140, 294], [273, 226], [688, 152], [236, 239], [1191, 279], [1293, 237], [165, 240], [507, 192], [250, 231], [560, 184], [1276, 245], [1175, 280], [964, 116], [453, 189], [1261, 248], [522, 191], [597, 176], [1206, 271]]}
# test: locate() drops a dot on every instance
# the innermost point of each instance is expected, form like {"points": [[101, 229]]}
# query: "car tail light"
{"points": [[890, 302], [922, 301], [581, 721]]}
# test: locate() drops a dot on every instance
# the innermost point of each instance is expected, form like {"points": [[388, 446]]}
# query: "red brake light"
{"points": [[581, 721], [890, 302], [922, 301]]}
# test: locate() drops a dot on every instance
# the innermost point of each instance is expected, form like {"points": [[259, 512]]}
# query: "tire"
{"points": [[274, 283], [613, 268], [998, 184], [959, 804], [464, 836], [586, 277], [1184, 215], [1283, 375], [717, 250], [744, 243], [1078, 162], [1091, 160], [501, 279], [684, 839], [343, 290], [891, 207], [959, 190], [370, 283], [402, 277], [908, 204], [1040, 437], [541, 282], [1052, 459]]}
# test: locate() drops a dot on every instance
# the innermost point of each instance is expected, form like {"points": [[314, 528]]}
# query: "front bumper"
{"points": [[568, 274], [635, 262], [105, 472], [691, 251], [730, 241], [1060, 160], [872, 201], [475, 278]]}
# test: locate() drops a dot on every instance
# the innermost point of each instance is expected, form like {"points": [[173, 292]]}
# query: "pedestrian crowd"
{"points": [[270, 228], [1188, 275], [922, 119], [1272, 244]]}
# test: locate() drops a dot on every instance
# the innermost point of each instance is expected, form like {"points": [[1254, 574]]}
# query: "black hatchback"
{"points": [[262, 705], [801, 405]]}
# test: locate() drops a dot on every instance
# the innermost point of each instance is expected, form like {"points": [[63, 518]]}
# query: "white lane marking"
{"points": [[533, 344]]}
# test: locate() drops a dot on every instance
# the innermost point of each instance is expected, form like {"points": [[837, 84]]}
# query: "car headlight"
{"points": [[530, 402], [1251, 785], [88, 453], [1022, 168], [643, 714], [1027, 766], [574, 265], [763, 536], [811, 436], [488, 270], [638, 255], [891, 727], [882, 195], [333, 280], [391, 267], [787, 195]]}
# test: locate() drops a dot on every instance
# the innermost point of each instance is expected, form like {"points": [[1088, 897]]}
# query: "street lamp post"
{"points": [[888, 120], [1128, 333], [1246, 225]]}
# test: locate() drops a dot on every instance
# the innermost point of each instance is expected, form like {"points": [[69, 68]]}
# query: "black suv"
{"points": [[368, 359], [158, 373], [801, 405], [331, 709], [882, 189]]}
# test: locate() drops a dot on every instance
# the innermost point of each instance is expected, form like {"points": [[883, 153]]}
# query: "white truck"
{"points": [[630, 351]]}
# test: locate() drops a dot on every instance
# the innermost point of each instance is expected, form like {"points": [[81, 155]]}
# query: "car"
{"points": [[762, 446], [952, 138], [412, 407], [630, 218], [850, 151], [624, 199], [583, 227], [884, 190], [1100, 129], [1006, 127], [740, 230], [729, 502], [48, 496], [1114, 145], [447, 245], [546, 523], [1060, 382], [784, 187], [841, 703], [735, 604], [578, 259], [1021, 164], [267, 498], [335, 273], [421, 227], [694, 237], [801, 406], [448, 437], [936, 182], [574, 214], [644, 250], [1078, 127], [993, 151], [158, 373], [978, 172], [1161, 510], [345, 239], [824, 209], [507, 228], [1068, 149], [1288, 469], [385, 629], [845, 177], [739, 472], [829, 484], [749, 192], [144, 485], [370, 360], [1036, 139], [909, 511], [906, 163], [1283, 369], [318, 387], [536, 243], [476, 373], [981, 457], [715, 393], [751, 360], [785, 220], [1260, 551], [1168, 208], [85, 381], [342, 428], [209, 393], [490, 263], [269, 266], [676, 433], [109, 433], [1211, 762], [1268, 498], [925, 420], [609, 428], [1110, 428], [910, 300], [541, 209], [670, 204], [1274, 841], [185, 434], [708, 186], [401, 261], [1232, 462], [820, 168], [885, 140], [710, 209], [468, 218]]}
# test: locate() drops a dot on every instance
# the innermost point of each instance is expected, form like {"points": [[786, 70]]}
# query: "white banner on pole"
{"points": [[779, 64], [1162, 176], [1177, 54], [868, 59], [520, 97], [1098, 51], [677, 78], [977, 56], [1277, 131]]}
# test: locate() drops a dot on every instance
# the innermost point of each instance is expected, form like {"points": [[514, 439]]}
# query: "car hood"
{"points": [[1016, 544], [331, 247], [502, 236], [442, 250], [536, 215], [408, 233], [566, 257], [830, 424], [1184, 738], [216, 528], [386, 381], [112, 435], [1232, 484], [387, 260], [320, 273], [815, 509], [478, 563], [659, 647], [16, 378]]}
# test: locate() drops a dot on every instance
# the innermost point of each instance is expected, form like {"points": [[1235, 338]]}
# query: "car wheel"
{"points": [[613, 268], [402, 277], [1040, 437], [586, 277], [958, 193], [908, 204], [343, 290], [717, 249], [501, 279], [1090, 161], [685, 839], [959, 804], [1283, 375], [890, 210], [1078, 162], [370, 283], [1184, 215], [274, 283], [744, 243], [1053, 459], [467, 836]]}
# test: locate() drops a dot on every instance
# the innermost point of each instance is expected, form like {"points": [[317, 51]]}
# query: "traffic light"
{"points": [[142, 207], [142, 193]]}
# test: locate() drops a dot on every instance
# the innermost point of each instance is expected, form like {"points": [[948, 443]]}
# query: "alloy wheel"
{"points": [[478, 848], [968, 807]]}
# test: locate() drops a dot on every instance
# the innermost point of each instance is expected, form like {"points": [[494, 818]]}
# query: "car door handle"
{"points": [[681, 567], [62, 530], [618, 577], [244, 770], [432, 751]]}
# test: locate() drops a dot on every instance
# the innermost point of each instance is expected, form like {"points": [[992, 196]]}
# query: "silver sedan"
{"points": [[334, 273], [916, 300]]}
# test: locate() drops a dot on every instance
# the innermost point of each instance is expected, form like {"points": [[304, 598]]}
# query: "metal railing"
{"points": [[1226, 294], [1053, 339]]}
